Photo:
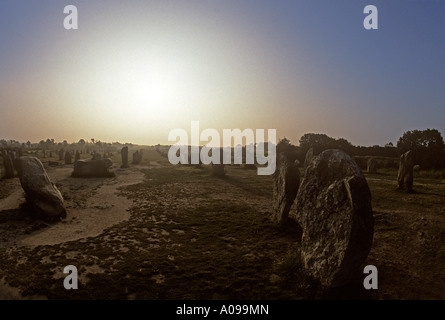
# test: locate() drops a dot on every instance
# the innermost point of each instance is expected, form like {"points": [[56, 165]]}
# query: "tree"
{"points": [[427, 146], [289, 150], [320, 142]]}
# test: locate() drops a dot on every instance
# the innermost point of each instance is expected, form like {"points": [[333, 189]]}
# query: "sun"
{"points": [[144, 86]]}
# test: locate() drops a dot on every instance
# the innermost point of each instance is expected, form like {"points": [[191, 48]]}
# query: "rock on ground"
{"points": [[41, 194], [334, 211], [92, 168]]}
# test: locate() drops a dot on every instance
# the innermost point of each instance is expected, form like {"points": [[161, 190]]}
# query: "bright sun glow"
{"points": [[143, 85]]}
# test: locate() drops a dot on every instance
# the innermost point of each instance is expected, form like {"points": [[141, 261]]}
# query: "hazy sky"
{"points": [[137, 69]]}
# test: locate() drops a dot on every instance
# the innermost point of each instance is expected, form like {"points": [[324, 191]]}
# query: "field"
{"points": [[157, 231]]}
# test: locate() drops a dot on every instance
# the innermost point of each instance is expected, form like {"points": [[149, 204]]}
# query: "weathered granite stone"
{"points": [[8, 164], [286, 181], [137, 157], [335, 213], [405, 174], [372, 165], [308, 158], [124, 155], [92, 168], [41, 194], [68, 158]]}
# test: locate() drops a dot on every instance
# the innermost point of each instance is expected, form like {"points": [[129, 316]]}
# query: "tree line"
{"points": [[427, 146]]}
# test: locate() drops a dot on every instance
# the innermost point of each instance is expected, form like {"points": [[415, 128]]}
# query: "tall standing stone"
{"points": [[77, 156], [43, 196], [61, 154], [124, 154], [308, 158], [8, 164], [136, 157], [335, 213], [405, 174], [372, 165], [12, 155], [286, 181], [68, 157]]}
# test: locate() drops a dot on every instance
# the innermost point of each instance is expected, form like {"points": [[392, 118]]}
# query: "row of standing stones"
{"points": [[42, 196], [333, 205], [218, 170], [333, 208]]}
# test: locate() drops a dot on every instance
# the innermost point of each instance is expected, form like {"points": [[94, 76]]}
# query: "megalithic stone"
{"points": [[68, 157], [43, 196], [405, 176], [124, 154], [9, 166], [334, 210], [286, 181]]}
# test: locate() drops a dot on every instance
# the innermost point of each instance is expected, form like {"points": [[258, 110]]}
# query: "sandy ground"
{"points": [[93, 205], [87, 216]]}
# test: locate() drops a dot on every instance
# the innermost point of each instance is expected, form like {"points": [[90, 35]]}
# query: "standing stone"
{"points": [[405, 174], [372, 165], [137, 157], [44, 154], [61, 154], [335, 213], [124, 154], [50, 154], [308, 158], [43, 196], [68, 158], [8, 164], [77, 156], [93, 168], [12, 155], [286, 181]]}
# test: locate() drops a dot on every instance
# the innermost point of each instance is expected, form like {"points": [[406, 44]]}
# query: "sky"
{"points": [[135, 70]]}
